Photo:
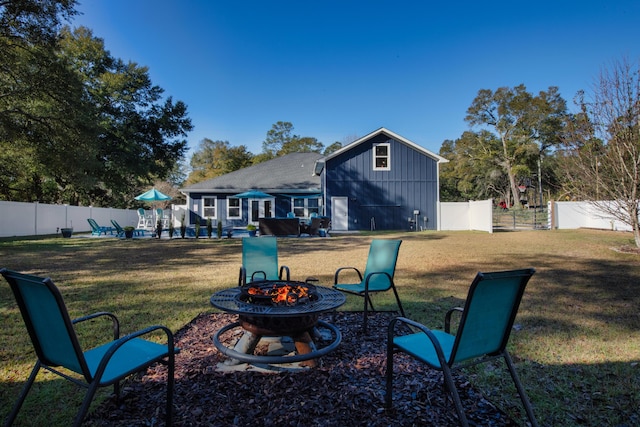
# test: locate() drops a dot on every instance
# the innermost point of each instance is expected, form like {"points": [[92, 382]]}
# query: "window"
{"points": [[382, 157], [234, 208], [303, 208], [209, 207]]}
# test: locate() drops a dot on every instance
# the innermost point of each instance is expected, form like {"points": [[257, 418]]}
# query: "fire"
{"points": [[281, 293]]}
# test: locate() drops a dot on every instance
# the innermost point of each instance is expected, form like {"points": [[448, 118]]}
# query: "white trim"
{"points": [[375, 156], [239, 207], [215, 207]]}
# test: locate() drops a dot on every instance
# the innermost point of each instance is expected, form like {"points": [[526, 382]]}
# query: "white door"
{"points": [[340, 213], [260, 208]]}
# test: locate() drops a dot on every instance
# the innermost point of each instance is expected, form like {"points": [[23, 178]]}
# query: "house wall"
{"points": [[389, 197]]}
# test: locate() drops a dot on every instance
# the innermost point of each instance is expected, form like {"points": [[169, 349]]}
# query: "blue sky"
{"points": [[342, 69]]}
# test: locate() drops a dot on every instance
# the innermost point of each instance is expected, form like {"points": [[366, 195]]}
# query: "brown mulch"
{"points": [[346, 388]]}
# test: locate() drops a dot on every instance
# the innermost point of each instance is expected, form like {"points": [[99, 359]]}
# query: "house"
{"points": [[381, 181], [288, 181]]}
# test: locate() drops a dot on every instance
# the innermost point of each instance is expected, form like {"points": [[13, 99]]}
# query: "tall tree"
{"points": [[525, 125], [215, 158], [602, 147], [474, 171], [281, 140]]}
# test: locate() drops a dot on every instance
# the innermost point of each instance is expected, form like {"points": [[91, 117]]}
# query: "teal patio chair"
{"points": [[58, 349], [260, 260], [377, 277], [120, 231], [482, 335], [97, 230]]}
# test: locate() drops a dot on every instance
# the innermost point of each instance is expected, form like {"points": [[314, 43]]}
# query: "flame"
{"points": [[281, 294]]}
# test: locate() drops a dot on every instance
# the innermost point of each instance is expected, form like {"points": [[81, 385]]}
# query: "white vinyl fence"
{"points": [[34, 219]]}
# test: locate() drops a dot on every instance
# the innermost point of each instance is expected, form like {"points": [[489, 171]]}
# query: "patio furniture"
{"points": [[279, 226], [58, 349], [97, 230], [482, 335], [378, 275], [120, 230], [145, 220], [260, 261]]}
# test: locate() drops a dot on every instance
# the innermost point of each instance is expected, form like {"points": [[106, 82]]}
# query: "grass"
{"points": [[577, 343]]}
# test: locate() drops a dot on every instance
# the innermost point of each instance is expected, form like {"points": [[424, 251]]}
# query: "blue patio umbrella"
{"points": [[253, 194], [152, 195]]}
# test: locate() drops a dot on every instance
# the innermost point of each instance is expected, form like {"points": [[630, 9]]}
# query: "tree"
{"points": [[526, 126], [281, 141], [215, 158], [602, 145], [474, 171], [278, 136], [93, 131]]}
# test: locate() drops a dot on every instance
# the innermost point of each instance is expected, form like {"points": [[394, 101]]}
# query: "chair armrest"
{"points": [[384, 273], [121, 341], [284, 268], [423, 329], [335, 277], [114, 320], [447, 318]]}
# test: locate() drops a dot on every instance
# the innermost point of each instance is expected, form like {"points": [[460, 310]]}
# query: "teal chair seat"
{"points": [[378, 275], [58, 350], [482, 335]]}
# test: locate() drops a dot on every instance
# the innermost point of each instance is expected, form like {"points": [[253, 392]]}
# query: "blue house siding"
{"points": [[384, 199]]}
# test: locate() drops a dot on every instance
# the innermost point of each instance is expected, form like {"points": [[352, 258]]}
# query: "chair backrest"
{"points": [[260, 254], [47, 320], [141, 212], [291, 215], [383, 255], [94, 225], [116, 225], [159, 212], [489, 313]]}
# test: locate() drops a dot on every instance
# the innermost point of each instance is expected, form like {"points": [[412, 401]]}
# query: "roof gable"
{"points": [[392, 135]]}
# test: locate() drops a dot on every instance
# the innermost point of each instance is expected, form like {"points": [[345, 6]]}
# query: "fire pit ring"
{"points": [[251, 358], [263, 318]]}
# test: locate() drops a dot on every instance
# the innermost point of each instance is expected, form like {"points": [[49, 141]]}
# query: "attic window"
{"points": [[382, 157]]}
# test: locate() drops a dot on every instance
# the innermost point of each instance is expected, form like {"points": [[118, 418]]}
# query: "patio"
{"points": [[346, 387]]}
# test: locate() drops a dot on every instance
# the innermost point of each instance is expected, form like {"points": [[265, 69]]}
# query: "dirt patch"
{"points": [[347, 388]]}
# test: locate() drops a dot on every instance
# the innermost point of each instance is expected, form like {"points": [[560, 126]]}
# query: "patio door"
{"points": [[340, 213], [260, 208]]}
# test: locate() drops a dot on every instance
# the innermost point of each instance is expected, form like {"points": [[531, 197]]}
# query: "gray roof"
{"points": [[291, 173]]}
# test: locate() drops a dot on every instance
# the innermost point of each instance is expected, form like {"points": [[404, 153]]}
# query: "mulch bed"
{"points": [[346, 388]]}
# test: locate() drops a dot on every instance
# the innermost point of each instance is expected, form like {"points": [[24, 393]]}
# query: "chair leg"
{"points": [[23, 394], [170, 384], [88, 397], [395, 292], [449, 384], [520, 388]]}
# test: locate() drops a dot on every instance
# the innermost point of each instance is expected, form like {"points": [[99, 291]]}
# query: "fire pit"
{"points": [[278, 309]]}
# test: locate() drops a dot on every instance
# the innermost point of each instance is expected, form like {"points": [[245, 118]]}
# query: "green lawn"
{"points": [[577, 343]]}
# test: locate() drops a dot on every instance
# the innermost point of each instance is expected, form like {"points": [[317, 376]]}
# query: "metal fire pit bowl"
{"points": [[299, 321]]}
